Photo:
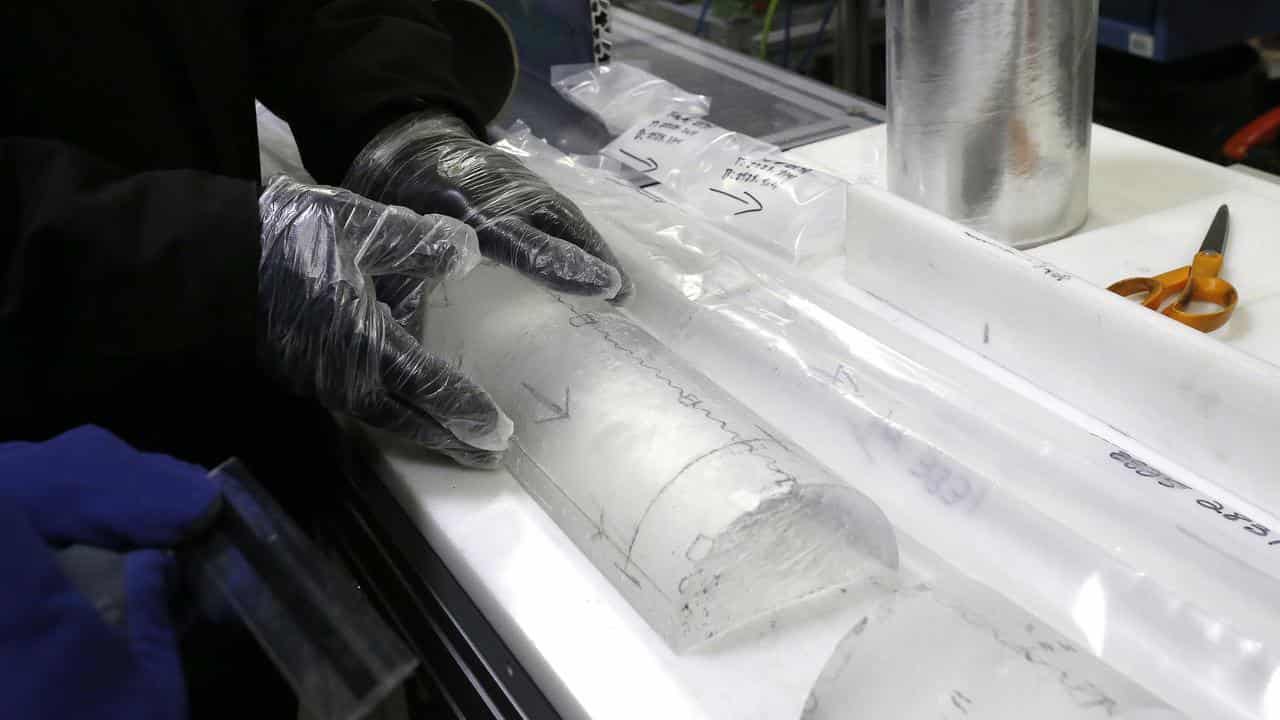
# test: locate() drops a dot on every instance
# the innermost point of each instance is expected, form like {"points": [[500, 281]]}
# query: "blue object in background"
{"points": [[1167, 30], [59, 658]]}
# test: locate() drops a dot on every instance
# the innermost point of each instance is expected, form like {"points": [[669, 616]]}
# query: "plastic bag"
{"points": [[619, 94], [746, 186]]}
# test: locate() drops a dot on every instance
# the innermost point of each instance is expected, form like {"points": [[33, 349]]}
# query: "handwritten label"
{"points": [[1249, 537], [657, 145], [738, 182], [943, 481], [948, 483], [770, 173], [750, 188]]}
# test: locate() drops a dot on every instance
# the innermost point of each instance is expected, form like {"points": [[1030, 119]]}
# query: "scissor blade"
{"points": [[1216, 239]]}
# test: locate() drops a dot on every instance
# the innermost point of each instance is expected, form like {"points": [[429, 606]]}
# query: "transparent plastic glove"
{"points": [[431, 163], [333, 267]]}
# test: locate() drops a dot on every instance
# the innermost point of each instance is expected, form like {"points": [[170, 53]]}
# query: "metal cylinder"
{"points": [[990, 112]]}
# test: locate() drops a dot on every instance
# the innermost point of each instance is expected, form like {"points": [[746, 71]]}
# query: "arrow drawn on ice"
{"points": [[649, 163], [758, 205], [558, 412]]}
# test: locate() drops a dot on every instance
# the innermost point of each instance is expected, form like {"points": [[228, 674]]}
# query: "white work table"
{"points": [[593, 656], [576, 636], [1149, 208]]}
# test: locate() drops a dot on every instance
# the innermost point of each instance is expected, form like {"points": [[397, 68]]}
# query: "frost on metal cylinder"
{"points": [[990, 112], [698, 512]]}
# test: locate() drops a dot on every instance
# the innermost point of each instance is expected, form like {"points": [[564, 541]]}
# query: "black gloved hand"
{"points": [[431, 163], [328, 333]]}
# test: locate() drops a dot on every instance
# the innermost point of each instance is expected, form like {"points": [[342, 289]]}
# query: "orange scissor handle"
{"points": [[1198, 282], [1204, 285], [1158, 289]]}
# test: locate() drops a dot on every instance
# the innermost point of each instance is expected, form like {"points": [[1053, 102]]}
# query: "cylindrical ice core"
{"points": [[699, 513], [990, 111]]}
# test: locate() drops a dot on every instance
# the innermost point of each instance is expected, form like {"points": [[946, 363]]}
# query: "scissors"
{"points": [[1197, 282]]}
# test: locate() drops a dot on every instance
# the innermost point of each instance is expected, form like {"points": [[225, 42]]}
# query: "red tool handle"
{"points": [[1259, 132]]}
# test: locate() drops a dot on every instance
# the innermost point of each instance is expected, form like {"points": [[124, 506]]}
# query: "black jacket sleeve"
{"points": [[120, 294], [338, 71]]}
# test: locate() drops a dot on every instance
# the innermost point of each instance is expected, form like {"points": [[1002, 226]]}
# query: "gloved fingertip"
{"points": [[467, 245], [191, 497], [625, 292], [205, 520], [596, 278], [477, 459], [149, 582], [491, 433]]}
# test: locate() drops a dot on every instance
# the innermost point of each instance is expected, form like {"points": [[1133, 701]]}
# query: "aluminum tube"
{"points": [[990, 111]]}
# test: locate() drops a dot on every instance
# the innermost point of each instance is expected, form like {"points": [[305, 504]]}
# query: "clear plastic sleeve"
{"points": [[744, 185], [327, 642], [961, 652], [619, 94], [1124, 559], [698, 512]]}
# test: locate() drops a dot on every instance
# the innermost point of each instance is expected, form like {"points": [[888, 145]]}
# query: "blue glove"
{"points": [[58, 657]]}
